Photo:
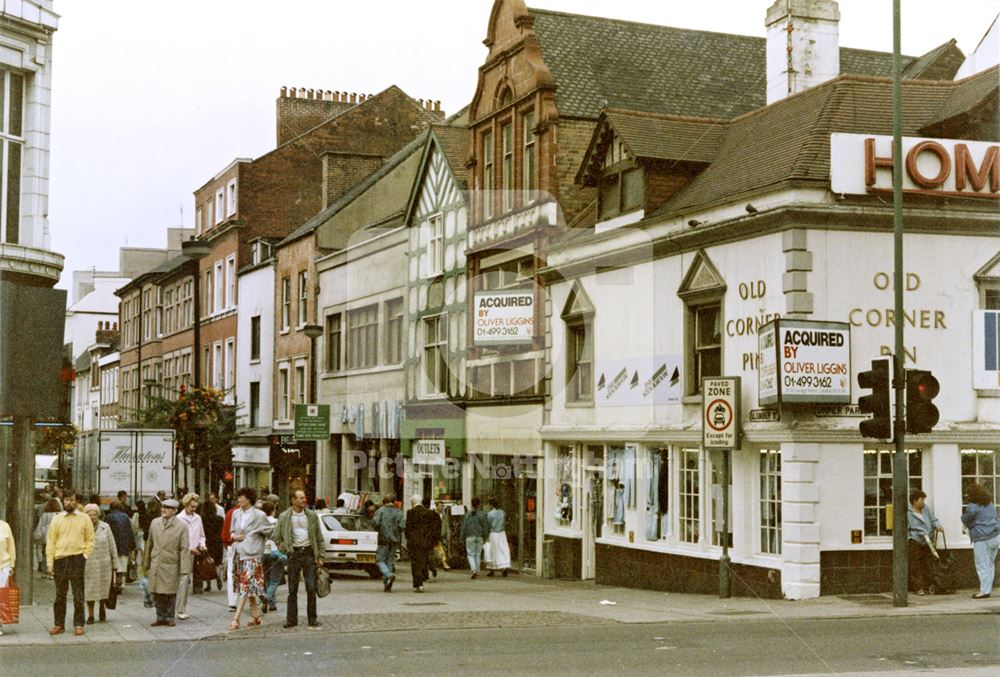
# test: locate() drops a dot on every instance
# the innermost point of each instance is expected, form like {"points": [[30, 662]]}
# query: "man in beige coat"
{"points": [[165, 559]]}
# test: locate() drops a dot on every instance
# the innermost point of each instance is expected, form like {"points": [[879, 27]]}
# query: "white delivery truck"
{"points": [[140, 462]]}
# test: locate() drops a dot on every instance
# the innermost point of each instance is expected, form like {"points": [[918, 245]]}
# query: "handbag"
{"points": [[204, 568], [112, 601], [10, 603], [322, 582]]}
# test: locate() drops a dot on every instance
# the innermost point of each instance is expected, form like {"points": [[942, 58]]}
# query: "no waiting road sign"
{"points": [[720, 412]]}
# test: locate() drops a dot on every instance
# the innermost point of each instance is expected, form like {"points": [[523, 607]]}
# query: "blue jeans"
{"points": [[386, 558], [985, 553], [273, 569], [474, 551]]}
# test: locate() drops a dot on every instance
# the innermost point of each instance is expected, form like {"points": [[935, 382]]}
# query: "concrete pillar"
{"points": [[800, 536]]}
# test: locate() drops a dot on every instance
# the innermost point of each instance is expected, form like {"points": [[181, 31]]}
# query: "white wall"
{"points": [[256, 294]]}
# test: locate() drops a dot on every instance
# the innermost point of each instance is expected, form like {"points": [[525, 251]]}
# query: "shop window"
{"points": [[878, 487], [769, 464], [621, 488], [394, 331], [435, 354], [657, 494], [563, 504], [11, 143], [362, 337], [689, 495], [333, 341], [979, 466]]}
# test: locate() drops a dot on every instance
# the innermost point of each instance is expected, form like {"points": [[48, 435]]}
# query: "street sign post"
{"points": [[720, 429], [312, 422]]}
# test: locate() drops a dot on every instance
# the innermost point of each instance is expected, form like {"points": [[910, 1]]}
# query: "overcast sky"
{"points": [[151, 99]]}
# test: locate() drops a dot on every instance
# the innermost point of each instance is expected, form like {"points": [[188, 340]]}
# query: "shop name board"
{"points": [[429, 452], [312, 422], [804, 361], [862, 163], [720, 412], [503, 317]]}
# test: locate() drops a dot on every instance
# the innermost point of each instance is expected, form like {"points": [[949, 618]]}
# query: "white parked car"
{"points": [[350, 542]]}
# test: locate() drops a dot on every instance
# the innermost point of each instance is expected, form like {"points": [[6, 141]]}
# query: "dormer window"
{"points": [[621, 192]]}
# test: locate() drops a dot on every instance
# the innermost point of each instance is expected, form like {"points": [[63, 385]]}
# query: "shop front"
{"points": [[505, 456], [252, 465], [293, 464]]}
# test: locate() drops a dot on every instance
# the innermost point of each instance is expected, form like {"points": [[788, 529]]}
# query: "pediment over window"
{"points": [[702, 279], [578, 303], [989, 272]]}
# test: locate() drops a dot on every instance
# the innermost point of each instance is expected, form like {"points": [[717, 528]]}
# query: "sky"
{"points": [[151, 99]]}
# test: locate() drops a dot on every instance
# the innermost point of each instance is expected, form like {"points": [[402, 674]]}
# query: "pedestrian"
{"points": [[298, 536], [273, 561], [389, 522], [434, 534], [52, 507], [99, 571], [68, 545], [8, 557], [196, 545], [499, 548], [121, 527], [227, 540], [475, 531], [249, 530], [421, 535], [211, 522], [341, 508], [922, 524], [147, 516], [320, 507], [980, 518], [213, 501], [122, 499], [166, 558], [140, 530]]}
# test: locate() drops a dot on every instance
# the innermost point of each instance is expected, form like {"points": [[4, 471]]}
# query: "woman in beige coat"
{"points": [[165, 558], [101, 565]]}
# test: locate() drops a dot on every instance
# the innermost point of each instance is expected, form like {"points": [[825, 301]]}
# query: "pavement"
{"points": [[454, 601]]}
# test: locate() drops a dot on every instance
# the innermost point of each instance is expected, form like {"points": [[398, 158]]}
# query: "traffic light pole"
{"points": [[900, 482]]}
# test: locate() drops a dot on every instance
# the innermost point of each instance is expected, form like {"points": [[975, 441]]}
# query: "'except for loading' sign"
{"points": [[719, 415]]}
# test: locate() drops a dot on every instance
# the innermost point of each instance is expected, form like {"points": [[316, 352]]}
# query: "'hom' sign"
{"points": [[862, 163]]}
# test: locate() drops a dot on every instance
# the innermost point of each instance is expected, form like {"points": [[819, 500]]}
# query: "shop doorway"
{"points": [[593, 508], [515, 487]]}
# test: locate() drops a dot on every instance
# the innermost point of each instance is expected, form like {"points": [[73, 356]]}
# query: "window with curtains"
{"points": [[362, 337], [878, 487], [769, 473], [689, 496], [11, 146]]}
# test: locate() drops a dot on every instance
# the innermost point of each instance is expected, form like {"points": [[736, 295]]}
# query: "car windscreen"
{"points": [[347, 523]]}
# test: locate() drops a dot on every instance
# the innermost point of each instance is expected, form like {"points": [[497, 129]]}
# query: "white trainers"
{"points": [[183, 617]]}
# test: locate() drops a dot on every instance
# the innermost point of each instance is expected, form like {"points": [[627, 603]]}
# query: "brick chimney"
{"points": [[299, 109], [803, 45], [107, 333]]}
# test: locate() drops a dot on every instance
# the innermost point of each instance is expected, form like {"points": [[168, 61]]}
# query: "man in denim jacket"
{"points": [[921, 524]]}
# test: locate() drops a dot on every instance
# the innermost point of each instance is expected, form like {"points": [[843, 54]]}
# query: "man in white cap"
{"points": [[166, 558]]}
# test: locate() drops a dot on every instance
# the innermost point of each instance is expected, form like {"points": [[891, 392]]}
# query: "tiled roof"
{"points": [[667, 137], [941, 63], [599, 62], [455, 146], [789, 141], [969, 94]]}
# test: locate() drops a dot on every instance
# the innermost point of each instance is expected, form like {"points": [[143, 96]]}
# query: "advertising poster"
{"points": [[637, 381]]}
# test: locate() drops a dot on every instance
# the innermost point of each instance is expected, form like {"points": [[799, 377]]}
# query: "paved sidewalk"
{"points": [[453, 600]]}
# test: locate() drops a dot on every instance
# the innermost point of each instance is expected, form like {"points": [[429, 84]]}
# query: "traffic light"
{"points": [[879, 380], [921, 389]]}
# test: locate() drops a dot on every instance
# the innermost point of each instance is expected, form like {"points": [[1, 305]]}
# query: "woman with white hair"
{"points": [[101, 565]]}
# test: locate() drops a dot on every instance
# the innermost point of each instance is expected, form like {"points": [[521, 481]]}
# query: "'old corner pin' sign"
{"points": [[720, 415]]}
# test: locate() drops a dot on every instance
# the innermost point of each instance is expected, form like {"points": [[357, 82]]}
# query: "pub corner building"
{"points": [[784, 212]]}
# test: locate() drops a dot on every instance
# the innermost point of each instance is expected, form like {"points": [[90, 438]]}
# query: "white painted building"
{"points": [[761, 221], [254, 368]]}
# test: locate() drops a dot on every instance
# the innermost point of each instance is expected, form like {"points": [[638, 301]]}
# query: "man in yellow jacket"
{"points": [[69, 544]]}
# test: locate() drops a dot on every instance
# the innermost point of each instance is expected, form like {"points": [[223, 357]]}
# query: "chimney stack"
{"points": [[803, 46]]}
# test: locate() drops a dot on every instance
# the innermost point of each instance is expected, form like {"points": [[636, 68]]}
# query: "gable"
{"points": [[437, 189], [989, 272], [702, 278], [577, 303]]}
